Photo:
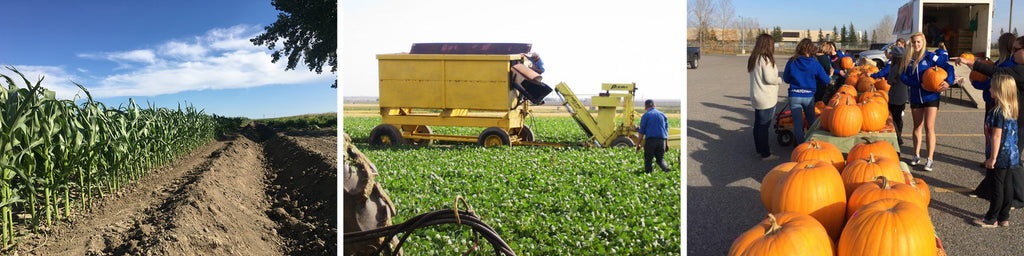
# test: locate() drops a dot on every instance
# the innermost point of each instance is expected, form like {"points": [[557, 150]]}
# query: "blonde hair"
{"points": [[1004, 91], [913, 57]]}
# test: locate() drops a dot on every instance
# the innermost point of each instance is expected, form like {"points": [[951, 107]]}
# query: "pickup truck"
{"points": [[693, 57]]}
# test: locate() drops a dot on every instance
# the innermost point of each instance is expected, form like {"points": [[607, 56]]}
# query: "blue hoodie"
{"points": [[912, 78], [803, 75], [985, 85]]}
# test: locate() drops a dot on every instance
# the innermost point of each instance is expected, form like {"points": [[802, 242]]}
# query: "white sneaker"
{"points": [[916, 160], [928, 166]]}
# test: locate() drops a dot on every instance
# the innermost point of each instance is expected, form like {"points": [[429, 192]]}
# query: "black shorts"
{"points": [[934, 103]]}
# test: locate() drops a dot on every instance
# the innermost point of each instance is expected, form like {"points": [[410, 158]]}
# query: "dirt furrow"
{"points": [[257, 192], [88, 232]]}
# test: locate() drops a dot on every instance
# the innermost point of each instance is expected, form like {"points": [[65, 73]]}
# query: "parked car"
{"points": [[876, 54], [692, 56]]}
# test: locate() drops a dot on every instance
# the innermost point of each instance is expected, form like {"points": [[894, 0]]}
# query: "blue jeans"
{"points": [[762, 121], [798, 105]]}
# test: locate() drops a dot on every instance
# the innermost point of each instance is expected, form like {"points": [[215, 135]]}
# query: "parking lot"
{"points": [[723, 173]]}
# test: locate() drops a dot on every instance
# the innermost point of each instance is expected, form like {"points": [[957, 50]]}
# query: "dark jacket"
{"points": [[803, 75], [984, 85], [898, 91]]}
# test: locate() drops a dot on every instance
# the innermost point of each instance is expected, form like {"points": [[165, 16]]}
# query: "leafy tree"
{"points": [[309, 29]]}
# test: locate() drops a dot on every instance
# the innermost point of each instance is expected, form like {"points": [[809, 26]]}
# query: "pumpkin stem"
{"points": [[866, 140], [885, 181], [871, 158], [774, 225]]}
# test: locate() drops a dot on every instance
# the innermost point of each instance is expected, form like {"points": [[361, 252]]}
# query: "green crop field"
{"points": [[541, 200]]}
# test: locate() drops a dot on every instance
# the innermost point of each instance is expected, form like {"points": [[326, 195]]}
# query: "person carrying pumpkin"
{"points": [[764, 92], [824, 58], [924, 104], [1005, 160], [803, 73], [898, 92], [1005, 60], [1017, 72]]}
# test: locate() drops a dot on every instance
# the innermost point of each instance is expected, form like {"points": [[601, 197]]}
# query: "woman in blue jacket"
{"points": [[803, 73], [924, 105]]}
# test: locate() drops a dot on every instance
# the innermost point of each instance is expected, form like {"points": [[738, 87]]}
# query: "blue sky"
{"points": [[865, 14], [165, 52], [582, 43]]}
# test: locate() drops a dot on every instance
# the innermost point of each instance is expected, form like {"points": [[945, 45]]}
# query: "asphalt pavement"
{"points": [[724, 173]]}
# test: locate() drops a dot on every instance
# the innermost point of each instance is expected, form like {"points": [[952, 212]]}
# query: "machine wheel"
{"points": [[694, 63], [785, 137], [386, 134], [420, 129], [493, 136], [623, 142], [525, 133]]}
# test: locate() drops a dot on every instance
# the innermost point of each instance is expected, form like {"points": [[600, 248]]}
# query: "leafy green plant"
{"points": [[541, 200], [53, 151]]}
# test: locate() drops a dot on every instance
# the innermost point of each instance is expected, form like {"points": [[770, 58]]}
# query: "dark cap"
{"points": [[898, 52]]}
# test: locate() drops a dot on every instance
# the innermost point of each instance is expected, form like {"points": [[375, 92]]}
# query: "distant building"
{"points": [[788, 35]]}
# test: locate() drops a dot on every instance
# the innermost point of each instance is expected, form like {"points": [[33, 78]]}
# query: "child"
{"points": [[1002, 125]]}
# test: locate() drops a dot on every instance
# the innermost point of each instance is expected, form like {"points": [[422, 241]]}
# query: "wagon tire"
{"points": [[421, 129], [623, 142], [525, 133], [493, 136], [386, 134], [785, 137]]}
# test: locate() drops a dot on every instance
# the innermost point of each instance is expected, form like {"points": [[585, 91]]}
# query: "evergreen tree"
{"points": [[821, 37], [853, 35], [1014, 31], [843, 37], [777, 34], [808, 35], [835, 34], [865, 38]]}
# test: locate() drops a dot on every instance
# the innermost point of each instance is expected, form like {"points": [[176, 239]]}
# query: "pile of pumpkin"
{"points": [[872, 207], [862, 102]]}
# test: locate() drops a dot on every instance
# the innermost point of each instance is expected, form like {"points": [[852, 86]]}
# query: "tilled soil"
{"points": [[256, 192]]}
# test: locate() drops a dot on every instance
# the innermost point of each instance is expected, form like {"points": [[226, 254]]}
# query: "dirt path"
{"points": [[257, 192]]}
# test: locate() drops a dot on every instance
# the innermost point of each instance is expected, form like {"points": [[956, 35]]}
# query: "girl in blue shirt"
{"points": [[1002, 125], [924, 105]]}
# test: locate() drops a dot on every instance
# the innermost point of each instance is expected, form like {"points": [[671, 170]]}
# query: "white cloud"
{"points": [[54, 78], [223, 58]]}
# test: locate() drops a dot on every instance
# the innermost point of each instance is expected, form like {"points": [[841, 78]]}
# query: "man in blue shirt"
{"points": [[654, 134], [538, 65]]}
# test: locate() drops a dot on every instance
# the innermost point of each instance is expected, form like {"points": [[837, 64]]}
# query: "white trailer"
{"points": [[963, 25]]}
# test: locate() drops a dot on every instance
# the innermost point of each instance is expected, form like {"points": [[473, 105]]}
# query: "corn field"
{"points": [[58, 155]]}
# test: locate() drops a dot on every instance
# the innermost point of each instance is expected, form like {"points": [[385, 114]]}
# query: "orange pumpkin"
{"points": [[813, 187], [873, 93], [862, 171], [853, 78], [846, 120], [787, 233], [819, 150], [771, 179], [906, 227], [882, 85], [846, 62], [848, 89], [967, 56], [865, 83], [922, 188], [932, 78], [879, 148], [880, 188], [978, 76], [875, 113]]}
